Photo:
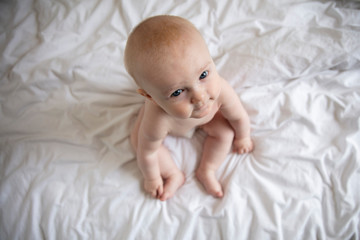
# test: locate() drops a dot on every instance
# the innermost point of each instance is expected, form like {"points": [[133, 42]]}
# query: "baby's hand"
{"points": [[154, 187], [243, 145]]}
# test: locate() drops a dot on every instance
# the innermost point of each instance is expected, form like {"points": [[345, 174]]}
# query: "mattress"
{"points": [[67, 105]]}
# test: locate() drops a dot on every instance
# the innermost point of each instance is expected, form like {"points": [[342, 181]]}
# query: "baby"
{"points": [[170, 62]]}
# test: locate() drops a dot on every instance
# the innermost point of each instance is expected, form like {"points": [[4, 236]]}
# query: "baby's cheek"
{"points": [[214, 90], [182, 111]]}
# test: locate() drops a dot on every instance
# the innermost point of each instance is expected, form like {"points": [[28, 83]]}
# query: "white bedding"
{"points": [[66, 106]]}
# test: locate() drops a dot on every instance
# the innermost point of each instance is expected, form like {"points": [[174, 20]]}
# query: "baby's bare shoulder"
{"points": [[228, 96], [154, 122], [153, 112], [226, 89]]}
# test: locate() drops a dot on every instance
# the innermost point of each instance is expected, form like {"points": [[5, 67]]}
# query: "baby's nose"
{"points": [[198, 96]]}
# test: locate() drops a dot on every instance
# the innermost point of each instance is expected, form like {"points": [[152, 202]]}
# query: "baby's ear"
{"points": [[142, 92]]}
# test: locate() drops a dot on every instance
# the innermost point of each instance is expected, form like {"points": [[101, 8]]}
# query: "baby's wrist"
{"points": [[153, 179], [242, 138]]}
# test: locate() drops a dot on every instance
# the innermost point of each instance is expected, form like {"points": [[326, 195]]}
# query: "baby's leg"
{"points": [[216, 146]]}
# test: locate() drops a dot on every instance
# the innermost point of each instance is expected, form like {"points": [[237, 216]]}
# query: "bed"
{"points": [[67, 106]]}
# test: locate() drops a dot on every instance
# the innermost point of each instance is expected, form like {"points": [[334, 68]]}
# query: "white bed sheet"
{"points": [[67, 104]]}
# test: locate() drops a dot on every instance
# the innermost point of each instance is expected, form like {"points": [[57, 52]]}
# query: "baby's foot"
{"points": [[172, 183], [209, 181]]}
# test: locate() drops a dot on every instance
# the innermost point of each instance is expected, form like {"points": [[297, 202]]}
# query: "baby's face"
{"points": [[186, 84]]}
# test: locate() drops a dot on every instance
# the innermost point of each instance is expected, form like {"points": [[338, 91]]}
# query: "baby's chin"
{"points": [[201, 113]]}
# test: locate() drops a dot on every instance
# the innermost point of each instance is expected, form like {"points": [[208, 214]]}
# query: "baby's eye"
{"points": [[204, 74], [177, 93]]}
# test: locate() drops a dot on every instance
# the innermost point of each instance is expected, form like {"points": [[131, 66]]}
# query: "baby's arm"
{"points": [[234, 112], [147, 155], [150, 138]]}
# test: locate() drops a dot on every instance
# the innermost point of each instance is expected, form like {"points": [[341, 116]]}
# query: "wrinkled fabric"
{"points": [[67, 106]]}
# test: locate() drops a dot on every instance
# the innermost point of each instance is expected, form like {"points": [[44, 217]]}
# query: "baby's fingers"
{"points": [[243, 149], [240, 151], [153, 193], [159, 191], [156, 192]]}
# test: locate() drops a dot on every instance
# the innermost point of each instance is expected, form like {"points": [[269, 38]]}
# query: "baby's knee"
{"points": [[226, 134], [223, 134], [221, 131]]}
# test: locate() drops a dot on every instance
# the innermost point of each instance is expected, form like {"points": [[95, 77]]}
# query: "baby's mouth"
{"points": [[202, 107]]}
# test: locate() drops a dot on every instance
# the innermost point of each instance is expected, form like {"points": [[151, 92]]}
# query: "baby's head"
{"points": [[154, 41], [164, 54]]}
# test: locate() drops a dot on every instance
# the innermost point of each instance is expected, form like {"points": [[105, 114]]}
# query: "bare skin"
{"points": [[171, 178], [182, 91]]}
